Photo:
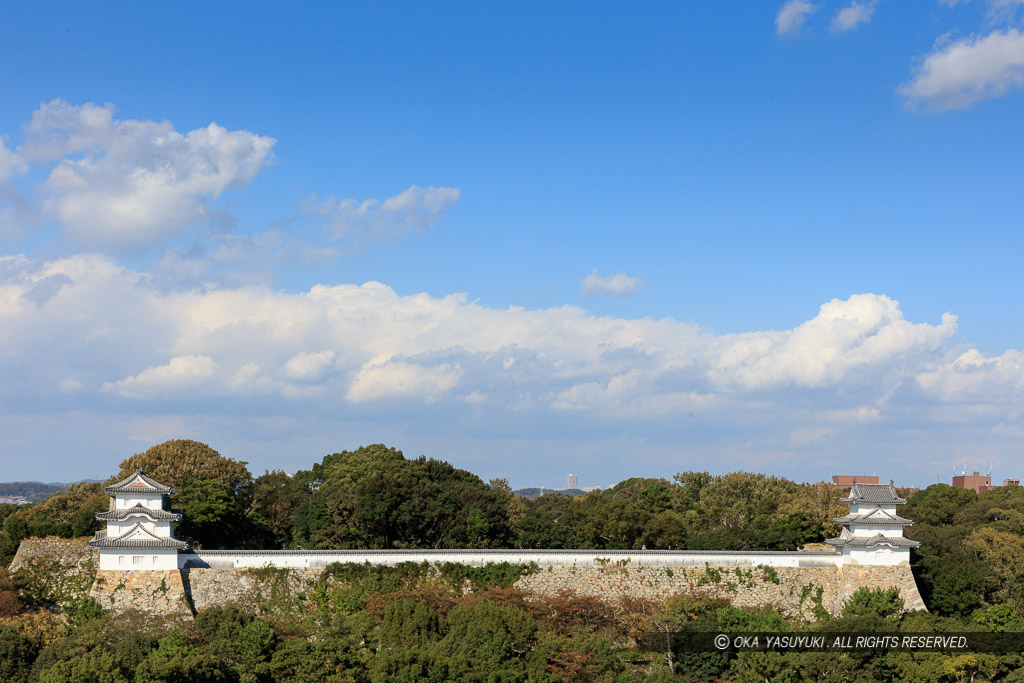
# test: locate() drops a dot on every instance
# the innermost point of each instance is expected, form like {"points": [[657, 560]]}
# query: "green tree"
{"points": [[374, 498], [333, 659], [176, 661], [213, 516], [1001, 551], [937, 504], [484, 637], [17, 652], [957, 584], [274, 500], [880, 602], [256, 644]]}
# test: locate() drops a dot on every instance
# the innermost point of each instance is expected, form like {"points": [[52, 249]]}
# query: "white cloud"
{"points": [[113, 341], [11, 164], [1004, 10], [181, 373], [849, 18], [858, 414], [972, 377], [399, 379], [958, 74], [133, 184], [69, 386], [413, 210], [846, 340], [474, 398], [635, 393], [618, 284], [792, 16], [308, 366]]}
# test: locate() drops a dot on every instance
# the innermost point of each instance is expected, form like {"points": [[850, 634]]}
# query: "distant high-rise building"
{"points": [[571, 481]]}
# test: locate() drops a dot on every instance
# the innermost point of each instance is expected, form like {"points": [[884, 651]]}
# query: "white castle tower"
{"points": [[140, 526], [873, 532]]}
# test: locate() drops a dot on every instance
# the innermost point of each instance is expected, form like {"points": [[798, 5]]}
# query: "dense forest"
{"points": [[405, 623]]}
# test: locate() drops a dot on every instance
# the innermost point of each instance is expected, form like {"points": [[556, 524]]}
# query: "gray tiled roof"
{"points": [[884, 494], [138, 483], [846, 541], [138, 509], [145, 540], [877, 517]]}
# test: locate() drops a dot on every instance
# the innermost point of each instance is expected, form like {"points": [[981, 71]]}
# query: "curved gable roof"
{"points": [[139, 483], [136, 537], [881, 494]]}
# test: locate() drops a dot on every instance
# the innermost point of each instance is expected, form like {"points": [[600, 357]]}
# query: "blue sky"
{"points": [[528, 239]]}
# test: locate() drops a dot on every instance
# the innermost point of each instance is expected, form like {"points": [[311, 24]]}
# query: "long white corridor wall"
{"points": [[250, 559]]}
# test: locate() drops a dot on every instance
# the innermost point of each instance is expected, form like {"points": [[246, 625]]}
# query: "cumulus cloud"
{"points": [[957, 74], [400, 379], [414, 210], [128, 183], [180, 373], [844, 341], [791, 17], [849, 18], [973, 376], [364, 343], [104, 337], [308, 366], [618, 284]]}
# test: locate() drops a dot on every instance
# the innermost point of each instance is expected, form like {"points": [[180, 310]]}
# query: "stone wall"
{"points": [[248, 588], [155, 591], [53, 550], [70, 567], [791, 590], [56, 569]]}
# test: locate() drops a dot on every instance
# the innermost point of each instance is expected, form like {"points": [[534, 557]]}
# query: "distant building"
{"points": [[979, 483], [851, 479], [571, 482], [1012, 481], [588, 489]]}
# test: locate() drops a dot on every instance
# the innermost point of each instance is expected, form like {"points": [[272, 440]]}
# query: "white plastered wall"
{"points": [[129, 559]]}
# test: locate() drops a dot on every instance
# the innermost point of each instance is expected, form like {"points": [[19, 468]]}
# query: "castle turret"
{"points": [[140, 526], [873, 532]]}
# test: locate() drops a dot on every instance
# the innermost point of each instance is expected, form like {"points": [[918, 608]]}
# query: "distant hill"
{"points": [[535, 492], [34, 491]]}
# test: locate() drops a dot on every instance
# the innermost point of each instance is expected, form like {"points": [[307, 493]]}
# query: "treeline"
{"points": [[971, 555], [375, 498], [361, 623]]}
